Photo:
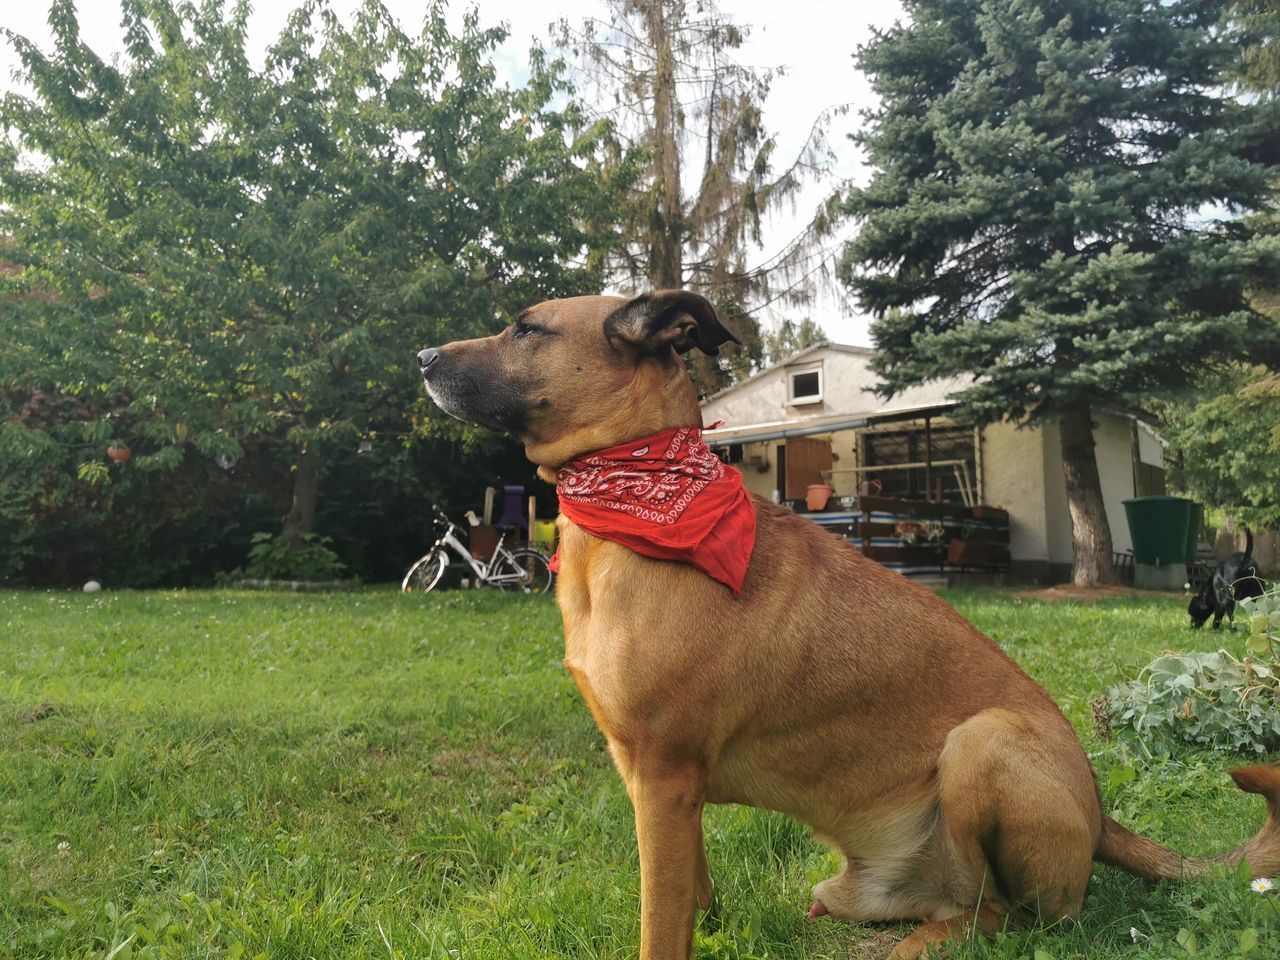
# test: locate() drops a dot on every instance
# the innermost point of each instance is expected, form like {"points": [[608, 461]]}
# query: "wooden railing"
{"points": [[921, 536]]}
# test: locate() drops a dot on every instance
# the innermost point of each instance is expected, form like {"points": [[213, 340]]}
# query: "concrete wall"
{"points": [[1013, 479], [1150, 449], [764, 481], [1022, 472], [756, 480], [844, 453]]}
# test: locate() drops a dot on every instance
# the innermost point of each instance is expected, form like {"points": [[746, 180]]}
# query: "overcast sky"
{"points": [[813, 40]]}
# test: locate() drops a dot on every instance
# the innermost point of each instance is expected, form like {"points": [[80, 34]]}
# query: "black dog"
{"points": [[1236, 578]]}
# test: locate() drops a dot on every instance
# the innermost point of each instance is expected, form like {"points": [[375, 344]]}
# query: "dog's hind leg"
{"points": [[890, 856], [988, 918], [1020, 823]]}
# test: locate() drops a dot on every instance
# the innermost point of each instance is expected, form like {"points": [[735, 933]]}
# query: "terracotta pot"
{"points": [[119, 454], [816, 496]]}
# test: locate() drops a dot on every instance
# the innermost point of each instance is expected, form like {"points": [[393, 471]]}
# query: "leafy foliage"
{"points": [[1259, 24], [273, 557], [1211, 700], [206, 255], [1228, 443], [790, 338], [1040, 212]]}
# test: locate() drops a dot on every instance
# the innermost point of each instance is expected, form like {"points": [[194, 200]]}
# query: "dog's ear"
{"points": [[668, 318]]}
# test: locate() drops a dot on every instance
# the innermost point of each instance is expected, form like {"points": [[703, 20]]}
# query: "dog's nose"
{"points": [[428, 357]]}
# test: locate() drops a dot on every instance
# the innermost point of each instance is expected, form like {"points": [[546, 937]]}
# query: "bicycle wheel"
{"points": [[534, 573], [426, 573]]}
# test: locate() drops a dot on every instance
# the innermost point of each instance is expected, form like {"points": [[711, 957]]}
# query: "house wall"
{"points": [[764, 481], [756, 480], [844, 452], [1150, 449], [1021, 468], [1022, 473], [1013, 479], [1113, 447], [848, 387]]}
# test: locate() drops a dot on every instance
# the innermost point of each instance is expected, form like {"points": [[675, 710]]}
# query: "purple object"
{"points": [[513, 508]]}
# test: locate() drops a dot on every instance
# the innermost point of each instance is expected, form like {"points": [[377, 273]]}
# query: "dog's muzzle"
{"points": [[429, 358]]}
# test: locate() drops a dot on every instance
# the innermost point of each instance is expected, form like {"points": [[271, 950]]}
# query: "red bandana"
{"points": [[665, 496]]}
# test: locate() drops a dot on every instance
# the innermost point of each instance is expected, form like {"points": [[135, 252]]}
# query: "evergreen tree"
{"points": [[1055, 211], [1225, 432]]}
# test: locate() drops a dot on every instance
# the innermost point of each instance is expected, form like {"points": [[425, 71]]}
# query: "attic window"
{"points": [[805, 386]]}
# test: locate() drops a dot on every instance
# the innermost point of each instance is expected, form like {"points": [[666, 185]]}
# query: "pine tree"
{"points": [[1055, 211]]}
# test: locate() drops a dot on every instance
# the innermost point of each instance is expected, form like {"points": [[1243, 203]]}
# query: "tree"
{"points": [[225, 253], [1228, 444], [1226, 432], [667, 73], [1054, 212], [790, 338], [1259, 25]]}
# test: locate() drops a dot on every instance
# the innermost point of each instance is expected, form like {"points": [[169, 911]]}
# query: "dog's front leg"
{"points": [[668, 804]]}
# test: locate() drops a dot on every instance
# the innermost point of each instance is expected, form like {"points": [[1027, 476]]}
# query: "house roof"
{"points": [[781, 429], [794, 358]]}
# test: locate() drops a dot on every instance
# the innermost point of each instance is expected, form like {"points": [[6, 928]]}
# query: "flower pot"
{"points": [[816, 496], [118, 454]]}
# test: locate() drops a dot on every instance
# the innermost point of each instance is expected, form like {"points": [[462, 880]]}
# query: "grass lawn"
{"points": [[223, 774]]}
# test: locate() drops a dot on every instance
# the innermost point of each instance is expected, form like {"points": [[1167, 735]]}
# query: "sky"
{"points": [[812, 41]]}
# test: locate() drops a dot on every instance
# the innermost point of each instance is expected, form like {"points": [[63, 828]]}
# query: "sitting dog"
{"points": [[733, 652], [1235, 578]]}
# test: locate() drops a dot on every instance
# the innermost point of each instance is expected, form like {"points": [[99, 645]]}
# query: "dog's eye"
{"points": [[522, 329]]}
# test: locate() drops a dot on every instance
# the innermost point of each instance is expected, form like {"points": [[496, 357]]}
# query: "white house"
{"points": [[816, 418]]}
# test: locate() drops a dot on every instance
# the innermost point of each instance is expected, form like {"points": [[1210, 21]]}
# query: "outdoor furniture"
{"points": [[513, 508]]}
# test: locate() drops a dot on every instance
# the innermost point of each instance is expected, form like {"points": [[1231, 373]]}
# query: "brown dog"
{"points": [[831, 689]]}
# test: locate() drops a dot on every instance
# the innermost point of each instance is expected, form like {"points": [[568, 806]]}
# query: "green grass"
{"points": [[222, 774]]}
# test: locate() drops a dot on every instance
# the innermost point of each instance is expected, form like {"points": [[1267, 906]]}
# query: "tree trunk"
{"points": [[666, 228], [1090, 532], [300, 520]]}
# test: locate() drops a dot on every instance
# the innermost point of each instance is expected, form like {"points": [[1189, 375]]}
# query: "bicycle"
{"points": [[525, 570]]}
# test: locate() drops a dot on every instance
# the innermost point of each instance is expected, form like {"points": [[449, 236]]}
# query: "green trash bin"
{"points": [[1164, 531]]}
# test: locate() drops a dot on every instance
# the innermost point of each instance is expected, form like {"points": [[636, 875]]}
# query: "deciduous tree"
{"points": [[666, 72], [225, 251]]}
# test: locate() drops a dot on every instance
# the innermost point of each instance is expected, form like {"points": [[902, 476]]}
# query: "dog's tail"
{"points": [[1123, 848], [1248, 543]]}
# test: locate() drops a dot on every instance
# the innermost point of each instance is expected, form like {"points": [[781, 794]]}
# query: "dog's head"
{"points": [[571, 376], [1201, 608]]}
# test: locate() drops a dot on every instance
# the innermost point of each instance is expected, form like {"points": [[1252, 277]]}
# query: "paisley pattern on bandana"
{"points": [[627, 479], [665, 496]]}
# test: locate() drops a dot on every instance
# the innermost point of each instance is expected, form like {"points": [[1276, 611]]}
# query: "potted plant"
{"points": [[118, 453]]}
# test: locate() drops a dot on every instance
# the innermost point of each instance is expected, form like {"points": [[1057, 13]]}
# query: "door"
{"points": [[806, 458]]}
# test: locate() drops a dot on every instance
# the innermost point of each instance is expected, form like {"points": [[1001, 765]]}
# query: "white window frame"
{"points": [[795, 401]]}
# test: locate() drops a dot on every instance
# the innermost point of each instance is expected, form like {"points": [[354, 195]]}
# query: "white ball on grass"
{"points": [[92, 586]]}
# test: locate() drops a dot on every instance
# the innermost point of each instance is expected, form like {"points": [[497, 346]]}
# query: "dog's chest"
{"points": [[620, 668]]}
